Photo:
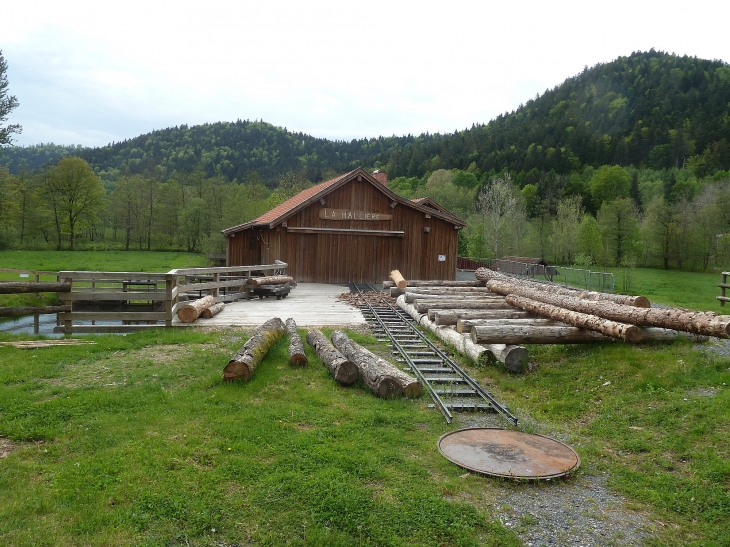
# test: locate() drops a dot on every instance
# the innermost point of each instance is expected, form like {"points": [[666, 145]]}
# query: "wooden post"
{"points": [[68, 323], [216, 279], [724, 285], [170, 297]]}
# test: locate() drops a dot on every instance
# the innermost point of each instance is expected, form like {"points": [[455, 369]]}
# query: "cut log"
{"points": [[425, 304], [15, 287], [398, 279], [342, 369], [486, 275], [296, 346], [516, 334], [437, 283], [550, 334], [192, 310], [624, 331], [270, 280], [207, 313], [702, 323], [411, 297], [510, 313], [244, 362], [29, 310], [382, 377], [463, 326], [514, 358]]}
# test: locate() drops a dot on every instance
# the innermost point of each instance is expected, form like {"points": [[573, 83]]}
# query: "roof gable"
{"points": [[306, 197]]}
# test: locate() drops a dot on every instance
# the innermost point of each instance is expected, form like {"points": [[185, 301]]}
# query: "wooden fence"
{"points": [[147, 300], [724, 285]]}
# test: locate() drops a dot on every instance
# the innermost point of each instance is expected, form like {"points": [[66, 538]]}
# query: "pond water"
{"points": [[25, 325]]}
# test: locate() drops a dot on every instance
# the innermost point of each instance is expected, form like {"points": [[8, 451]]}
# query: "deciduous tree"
{"points": [[7, 104]]}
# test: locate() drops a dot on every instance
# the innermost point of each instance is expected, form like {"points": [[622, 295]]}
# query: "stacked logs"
{"points": [[490, 318], [205, 307], [628, 318]]}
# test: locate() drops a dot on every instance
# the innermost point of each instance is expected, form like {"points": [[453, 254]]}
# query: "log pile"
{"points": [[617, 316], [383, 378], [192, 310], [243, 364]]}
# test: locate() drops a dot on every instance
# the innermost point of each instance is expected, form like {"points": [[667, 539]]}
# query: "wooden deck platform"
{"points": [[310, 304]]}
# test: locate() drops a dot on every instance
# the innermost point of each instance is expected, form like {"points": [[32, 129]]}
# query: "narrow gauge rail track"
{"points": [[450, 387]]}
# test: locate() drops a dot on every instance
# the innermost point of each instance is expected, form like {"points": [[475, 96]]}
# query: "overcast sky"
{"points": [[95, 72]]}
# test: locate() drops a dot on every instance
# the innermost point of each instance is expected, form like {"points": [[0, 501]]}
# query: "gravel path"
{"points": [[578, 511]]}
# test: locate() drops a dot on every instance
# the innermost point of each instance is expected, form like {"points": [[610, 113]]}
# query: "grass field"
{"points": [[136, 440]]}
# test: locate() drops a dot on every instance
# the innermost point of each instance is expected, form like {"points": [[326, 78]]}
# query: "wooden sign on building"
{"points": [[350, 229]]}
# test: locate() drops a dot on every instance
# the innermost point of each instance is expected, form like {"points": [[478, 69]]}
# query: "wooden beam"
{"points": [[345, 231]]}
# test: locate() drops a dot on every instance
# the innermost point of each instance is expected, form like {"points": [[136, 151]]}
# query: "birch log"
{"points": [[192, 310], [207, 313], [342, 369], [244, 362], [376, 372], [296, 346]]}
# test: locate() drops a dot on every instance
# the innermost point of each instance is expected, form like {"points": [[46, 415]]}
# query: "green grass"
{"points": [[137, 441], [693, 290], [115, 261]]}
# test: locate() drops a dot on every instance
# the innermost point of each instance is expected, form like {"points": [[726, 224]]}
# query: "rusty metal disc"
{"points": [[510, 454]]}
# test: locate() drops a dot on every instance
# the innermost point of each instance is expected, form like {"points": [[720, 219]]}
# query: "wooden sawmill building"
{"points": [[350, 229]]}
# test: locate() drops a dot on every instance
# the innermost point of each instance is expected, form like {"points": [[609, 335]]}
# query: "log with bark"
{"points": [[207, 313], [509, 313], [398, 279], [487, 275], [29, 310], [192, 310], [425, 304], [296, 346], [538, 334], [15, 287], [244, 362], [342, 369], [270, 280], [702, 323], [413, 296], [615, 329], [514, 358], [463, 326], [437, 283], [383, 378], [552, 334], [395, 292]]}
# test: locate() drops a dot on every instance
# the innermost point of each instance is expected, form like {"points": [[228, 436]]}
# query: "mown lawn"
{"points": [[136, 440]]}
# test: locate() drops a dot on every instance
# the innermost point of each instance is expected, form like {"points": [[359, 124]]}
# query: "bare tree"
{"points": [[501, 213]]}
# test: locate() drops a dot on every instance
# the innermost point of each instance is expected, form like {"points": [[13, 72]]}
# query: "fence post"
{"points": [[68, 323], [170, 296]]}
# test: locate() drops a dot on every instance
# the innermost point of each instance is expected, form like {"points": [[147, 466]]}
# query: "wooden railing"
{"points": [[157, 295]]}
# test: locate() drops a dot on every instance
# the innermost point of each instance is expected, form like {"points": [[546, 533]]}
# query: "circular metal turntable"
{"points": [[510, 454]]}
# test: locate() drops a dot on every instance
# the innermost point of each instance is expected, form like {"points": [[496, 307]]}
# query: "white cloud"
{"points": [[97, 72]]}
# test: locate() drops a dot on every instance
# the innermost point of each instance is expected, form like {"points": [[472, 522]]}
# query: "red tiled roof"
{"points": [[293, 202], [303, 198]]}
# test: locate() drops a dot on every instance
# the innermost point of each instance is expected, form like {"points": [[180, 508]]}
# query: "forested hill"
{"points": [[649, 108], [652, 109]]}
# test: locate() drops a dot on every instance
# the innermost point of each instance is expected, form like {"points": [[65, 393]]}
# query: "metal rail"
{"points": [[450, 387]]}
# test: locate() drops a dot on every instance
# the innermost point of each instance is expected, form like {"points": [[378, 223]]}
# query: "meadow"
{"points": [[136, 440]]}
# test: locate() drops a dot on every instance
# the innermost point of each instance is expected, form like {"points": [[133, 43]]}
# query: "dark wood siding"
{"points": [[344, 258]]}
